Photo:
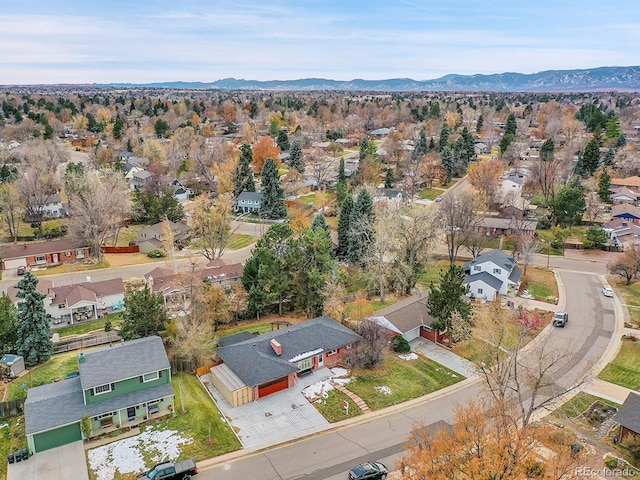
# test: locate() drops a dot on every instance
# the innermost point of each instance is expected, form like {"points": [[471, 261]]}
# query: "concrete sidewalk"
{"points": [[443, 356], [607, 390]]}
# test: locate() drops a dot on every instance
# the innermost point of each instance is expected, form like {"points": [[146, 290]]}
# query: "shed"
{"points": [[15, 363]]}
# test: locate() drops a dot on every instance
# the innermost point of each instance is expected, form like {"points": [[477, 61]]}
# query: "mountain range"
{"points": [[601, 78]]}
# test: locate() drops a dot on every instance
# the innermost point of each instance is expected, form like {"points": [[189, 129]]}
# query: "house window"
{"points": [[497, 271], [150, 377], [476, 268], [332, 352], [100, 389], [41, 259], [305, 364], [480, 291], [79, 253], [105, 415], [62, 305]]}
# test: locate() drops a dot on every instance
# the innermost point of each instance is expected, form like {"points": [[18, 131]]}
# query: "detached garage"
{"points": [[234, 390]]}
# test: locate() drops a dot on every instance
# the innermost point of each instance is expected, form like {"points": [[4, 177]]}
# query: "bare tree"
{"points": [[212, 225], [484, 177], [458, 218], [371, 349], [476, 242], [628, 266], [98, 204], [321, 167], [11, 208], [527, 246]]}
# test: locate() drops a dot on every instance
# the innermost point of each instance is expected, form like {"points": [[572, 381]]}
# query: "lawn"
{"points": [[89, 326], [546, 238], [625, 368], [432, 271], [631, 297], [12, 438], [240, 240], [332, 407], [71, 267], [540, 283], [579, 404], [129, 233], [430, 193], [58, 366], [405, 379]]}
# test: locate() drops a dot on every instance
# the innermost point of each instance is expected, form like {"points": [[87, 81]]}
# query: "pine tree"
{"points": [[319, 221], [364, 149], [243, 173], [388, 179], [511, 126], [447, 163], [272, 205], [432, 144], [479, 124], [295, 157], [362, 232], [344, 227], [448, 297], [591, 156], [444, 136], [609, 158], [421, 147], [34, 343], [283, 140], [468, 144], [144, 314], [342, 177], [603, 187]]}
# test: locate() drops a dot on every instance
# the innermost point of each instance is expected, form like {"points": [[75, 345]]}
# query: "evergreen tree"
{"points": [[388, 179], [144, 314], [283, 140], [8, 324], [362, 231], [505, 141], [461, 157], [569, 205], [511, 126], [344, 227], [547, 151], [609, 158], [33, 342], [364, 149], [342, 177], [319, 221], [118, 127], [447, 298], [469, 145], [432, 144], [479, 124], [296, 157], [421, 147], [447, 163], [603, 187], [444, 136], [591, 156], [151, 207], [272, 205], [243, 173], [622, 140]]}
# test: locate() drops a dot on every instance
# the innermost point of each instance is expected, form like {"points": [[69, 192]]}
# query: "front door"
{"points": [[131, 413], [320, 360], [55, 258]]}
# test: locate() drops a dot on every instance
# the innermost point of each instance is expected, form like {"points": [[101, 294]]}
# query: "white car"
{"points": [[607, 291]]}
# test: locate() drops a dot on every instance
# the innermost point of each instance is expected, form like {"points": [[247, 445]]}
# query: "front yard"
{"points": [[630, 297], [625, 368], [541, 284]]}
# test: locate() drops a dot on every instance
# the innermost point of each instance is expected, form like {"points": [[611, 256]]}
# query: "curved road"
{"points": [[381, 435]]}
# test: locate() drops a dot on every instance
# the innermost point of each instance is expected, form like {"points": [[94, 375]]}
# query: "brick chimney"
{"points": [[275, 344]]}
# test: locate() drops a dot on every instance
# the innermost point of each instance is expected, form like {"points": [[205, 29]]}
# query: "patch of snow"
{"points": [[4, 425], [306, 354], [408, 356], [385, 390], [317, 390], [127, 455], [339, 372]]}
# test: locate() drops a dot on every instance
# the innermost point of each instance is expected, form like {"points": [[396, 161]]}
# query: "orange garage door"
{"points": [[273, 386]]}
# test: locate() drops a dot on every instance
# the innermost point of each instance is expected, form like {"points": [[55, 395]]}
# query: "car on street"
{"points": [[368, 471], [439, 198], [560, 319], [21, 270], [607, 291], [183, 470]]}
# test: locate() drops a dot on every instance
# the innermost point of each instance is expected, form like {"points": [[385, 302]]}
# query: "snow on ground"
{"points": [[127, 455], [319, 390], [408, 356], [384, 389]]}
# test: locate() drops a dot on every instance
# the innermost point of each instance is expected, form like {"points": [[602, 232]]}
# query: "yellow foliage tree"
{"points": [[263, 149]]}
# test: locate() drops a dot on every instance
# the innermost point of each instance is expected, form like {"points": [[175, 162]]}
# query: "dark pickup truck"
{"points": [[183, 470]]}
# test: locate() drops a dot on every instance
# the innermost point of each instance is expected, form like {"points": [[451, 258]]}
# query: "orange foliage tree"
{"points": [[485, 178], [263, 149]]}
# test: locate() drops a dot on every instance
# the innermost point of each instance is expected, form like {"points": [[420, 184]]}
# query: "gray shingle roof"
{"points": [[122, 361], [250, 196], [58, 404], [485, 277], [235, 338], [255, 362], [496, 256], [629, 413], [516, 273], [408, 313]]}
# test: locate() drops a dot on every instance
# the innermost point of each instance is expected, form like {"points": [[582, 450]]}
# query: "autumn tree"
{"points": [[528, 246], [211, 225], [628, 266], [485, 178], [11, 208], [372, 346], [458, 218], [265, 148]]}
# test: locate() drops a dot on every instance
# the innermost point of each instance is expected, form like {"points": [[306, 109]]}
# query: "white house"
{"points": [[490, 274]]}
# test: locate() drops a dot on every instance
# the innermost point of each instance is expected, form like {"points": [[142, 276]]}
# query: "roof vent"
{"points": [[275, 344]]}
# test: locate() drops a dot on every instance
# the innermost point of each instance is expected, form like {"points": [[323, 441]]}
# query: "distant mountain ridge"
{"points": [[601, 78]]}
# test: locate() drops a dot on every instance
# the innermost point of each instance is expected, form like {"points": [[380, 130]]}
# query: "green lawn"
{"points": [[625, 368], [59, 366], [540, 283], [579, 403], [430, 193], [406, 379], [89, 326], [631, 297], [332, 407], [432, 271], [240, 240]]}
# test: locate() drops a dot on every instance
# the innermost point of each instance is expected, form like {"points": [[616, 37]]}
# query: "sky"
{"points": [[142, 41]]}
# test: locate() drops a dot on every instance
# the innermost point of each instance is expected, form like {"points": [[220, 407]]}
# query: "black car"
{"points": [[368, 471], [21, 270], [560, 319]]}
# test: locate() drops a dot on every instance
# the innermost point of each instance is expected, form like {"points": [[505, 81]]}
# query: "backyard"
{"points": [[625, 368]]}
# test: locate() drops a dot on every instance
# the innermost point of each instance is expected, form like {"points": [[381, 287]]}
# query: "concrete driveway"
{"points": [[276, 418], [62, 463], [443, 357]]}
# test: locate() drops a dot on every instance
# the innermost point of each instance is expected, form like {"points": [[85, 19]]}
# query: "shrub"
{"points": [[155, 254], [400, 345], [107, 325]]}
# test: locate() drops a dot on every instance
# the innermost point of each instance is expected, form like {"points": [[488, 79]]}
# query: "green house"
{"points": [[119, 386]]}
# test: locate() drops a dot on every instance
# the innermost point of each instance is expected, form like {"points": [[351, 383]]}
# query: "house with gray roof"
{"points": [[628, 417], [119, 386], [490, 274], [84, 301], [255, 367], [249, 202]]}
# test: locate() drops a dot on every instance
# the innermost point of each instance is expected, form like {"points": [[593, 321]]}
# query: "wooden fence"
{"points": [[76, 343], [129, 249], [206, 368], [12, 407]]}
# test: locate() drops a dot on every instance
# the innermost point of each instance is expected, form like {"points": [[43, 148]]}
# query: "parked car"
{"points": [[21, 270], [607, 291], [369, 471], [439, 198], [183, 470], [560, 319]]}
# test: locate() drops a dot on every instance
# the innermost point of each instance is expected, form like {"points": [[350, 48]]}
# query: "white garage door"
{"points": [[13, 264], [412, 334]]}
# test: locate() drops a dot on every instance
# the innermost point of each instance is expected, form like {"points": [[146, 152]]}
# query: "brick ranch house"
{"points": [[38, 254], [256, 366]]}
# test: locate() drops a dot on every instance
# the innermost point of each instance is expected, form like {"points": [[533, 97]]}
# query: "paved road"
{"points": [[382, 436]]}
